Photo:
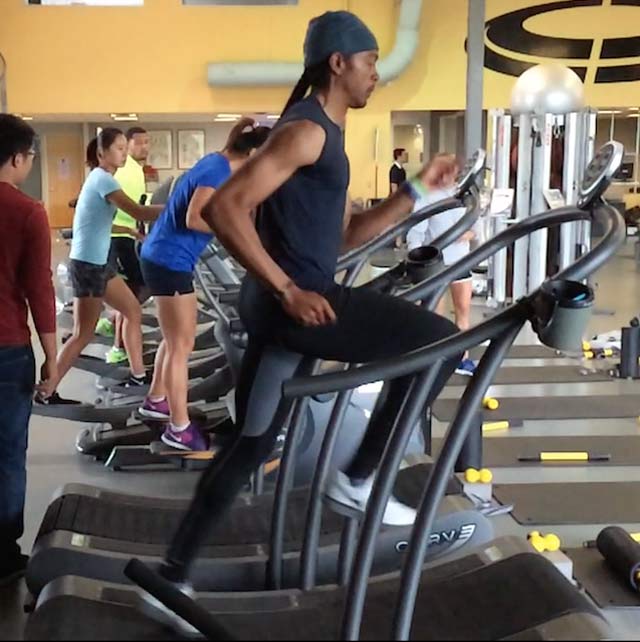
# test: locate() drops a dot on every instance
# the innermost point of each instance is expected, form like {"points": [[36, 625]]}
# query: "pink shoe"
{"points": [[155, 410], [190, 439]]}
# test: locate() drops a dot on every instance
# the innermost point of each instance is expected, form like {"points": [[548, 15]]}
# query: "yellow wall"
{"points": [[153, 59]]}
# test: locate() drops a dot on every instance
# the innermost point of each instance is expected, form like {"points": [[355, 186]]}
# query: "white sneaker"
{"points": [[158, 612], [342, 491]]}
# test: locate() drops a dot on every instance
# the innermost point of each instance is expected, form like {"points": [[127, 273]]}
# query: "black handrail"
{"points": [[408, 416], [502, 330], [354, 256], [466, 222], [423, 357], [467, 183], [287, 464], [309, 553], [285, 482], [388, 279], [309, 558], [498, 242], [437, 483], [179, 603]]}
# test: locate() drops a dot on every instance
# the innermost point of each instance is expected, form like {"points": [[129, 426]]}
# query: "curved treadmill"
{"points": [[93, 532], [500, 592]]}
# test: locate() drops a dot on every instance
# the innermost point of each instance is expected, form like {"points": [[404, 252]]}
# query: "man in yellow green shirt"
{"points": [[125, 232]]}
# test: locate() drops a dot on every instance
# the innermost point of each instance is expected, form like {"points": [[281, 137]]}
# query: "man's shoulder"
{"points": [[131, 168], [19, 201], [214, 164], [210, 161]]}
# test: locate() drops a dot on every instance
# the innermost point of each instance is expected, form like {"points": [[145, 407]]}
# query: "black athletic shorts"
{"points": [[90, 280], [124, 260], [162, 281], [465, 277]]}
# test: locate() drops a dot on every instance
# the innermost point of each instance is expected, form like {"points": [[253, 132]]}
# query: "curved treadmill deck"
{"points": [[92, 532], [521, 596]]}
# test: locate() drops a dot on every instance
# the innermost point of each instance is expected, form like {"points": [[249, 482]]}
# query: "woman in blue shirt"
{"points": [[169, 256], [94, 281]]}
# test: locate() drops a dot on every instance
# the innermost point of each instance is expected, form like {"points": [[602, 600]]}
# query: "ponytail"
{"points": [[299, 91], [246, 142], [316, 77], [92, 154]]}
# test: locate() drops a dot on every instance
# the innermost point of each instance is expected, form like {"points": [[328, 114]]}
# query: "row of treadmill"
{"points": [[287, 563]]}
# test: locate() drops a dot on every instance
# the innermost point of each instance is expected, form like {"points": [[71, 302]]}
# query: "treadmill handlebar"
{"points": [[491, 247], [388, 279], [355, 256], [465, 223], [177, 602], [421, 358], [615, 236], [466, 188]]}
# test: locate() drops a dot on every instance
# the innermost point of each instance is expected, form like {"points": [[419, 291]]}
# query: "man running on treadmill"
{"points": [[289, 297]]}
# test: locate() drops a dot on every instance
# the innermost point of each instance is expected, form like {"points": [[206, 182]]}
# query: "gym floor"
{"points": [[54, 462]]}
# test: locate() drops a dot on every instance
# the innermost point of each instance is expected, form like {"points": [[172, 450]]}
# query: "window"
{"points": [[622, 124], [91, 3]]}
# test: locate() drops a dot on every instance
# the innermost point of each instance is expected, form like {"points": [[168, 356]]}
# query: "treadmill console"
{"points": [[600, 172], [470, 172]]}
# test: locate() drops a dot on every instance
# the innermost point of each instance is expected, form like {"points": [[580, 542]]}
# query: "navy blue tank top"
{"points": [[301, 224]]}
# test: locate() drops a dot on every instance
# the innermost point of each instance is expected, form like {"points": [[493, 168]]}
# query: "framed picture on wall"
{"points": [[161, 149], [190, 147]]}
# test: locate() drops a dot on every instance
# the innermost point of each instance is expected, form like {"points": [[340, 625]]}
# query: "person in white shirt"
{"points": [[461, 290]]}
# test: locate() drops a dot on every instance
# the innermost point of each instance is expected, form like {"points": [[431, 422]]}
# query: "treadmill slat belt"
{"points": [[504, 452], [532, 408], [522, 352], [492, 602], [538, 374], [575, 503], [112, 517]]}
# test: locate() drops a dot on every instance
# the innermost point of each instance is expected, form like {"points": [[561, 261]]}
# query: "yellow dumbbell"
{"points": [[473, 476], [589, 355], [490, 403], [586, 346], [544, 543]]}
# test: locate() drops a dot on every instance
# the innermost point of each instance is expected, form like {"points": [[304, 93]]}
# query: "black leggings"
{"points": [[370, 326]]}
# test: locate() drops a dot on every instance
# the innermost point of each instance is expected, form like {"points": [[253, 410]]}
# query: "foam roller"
{"points": [[622, 553]]}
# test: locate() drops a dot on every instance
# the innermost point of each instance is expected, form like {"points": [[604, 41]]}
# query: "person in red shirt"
{"points": [[25, 284]]}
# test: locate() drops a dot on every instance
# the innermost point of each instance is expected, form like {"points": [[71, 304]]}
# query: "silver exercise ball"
{"points": [[549, 88]]}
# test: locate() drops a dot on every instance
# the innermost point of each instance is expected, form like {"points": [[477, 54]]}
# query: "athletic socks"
{"points": [[180, 428], [55, 400], [138, 380], [156, 399]]}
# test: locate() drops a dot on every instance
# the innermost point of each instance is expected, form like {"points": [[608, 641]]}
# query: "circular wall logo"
{"points": [[508, 41]]}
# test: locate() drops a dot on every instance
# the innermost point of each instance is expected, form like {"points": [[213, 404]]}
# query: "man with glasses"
{"points": [[25, 284]]}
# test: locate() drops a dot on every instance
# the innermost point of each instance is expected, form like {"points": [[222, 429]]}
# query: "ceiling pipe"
{"points": [[4, 107], [281, 74]]}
